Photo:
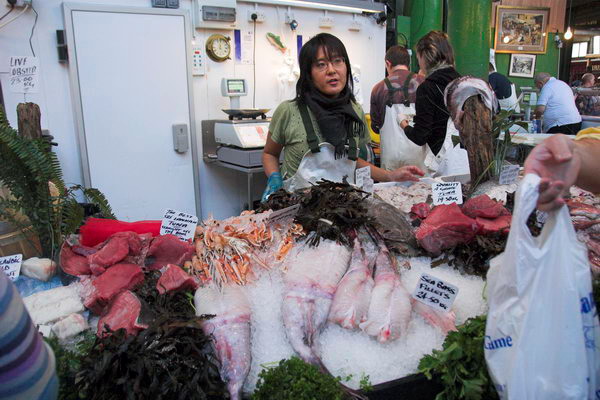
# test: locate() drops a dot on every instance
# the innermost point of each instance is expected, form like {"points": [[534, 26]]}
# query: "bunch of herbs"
{"points": [[460, 365], [294, 379]]}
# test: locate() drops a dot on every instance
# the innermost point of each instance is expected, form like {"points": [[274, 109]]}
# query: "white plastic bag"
{"points": [[397, 150], [542, 332]]}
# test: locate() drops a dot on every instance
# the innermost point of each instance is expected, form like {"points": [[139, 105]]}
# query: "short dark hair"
{"points": [[397, 55], [333, 47], [434, 48]]}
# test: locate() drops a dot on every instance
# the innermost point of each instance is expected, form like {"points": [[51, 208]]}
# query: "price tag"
{"points": [[509, 174], [362, 174], [11, 266], [541, 217], [179, 224], [284, 213], [435, 293], [23, 74], [446, 193], [368, 185]]}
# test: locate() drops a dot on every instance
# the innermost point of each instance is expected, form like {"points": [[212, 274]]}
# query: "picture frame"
{"points": [[521, 29], [522, 65]]}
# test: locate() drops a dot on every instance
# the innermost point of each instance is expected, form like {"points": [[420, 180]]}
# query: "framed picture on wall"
{"points": [[522, 65], [521, 29]]}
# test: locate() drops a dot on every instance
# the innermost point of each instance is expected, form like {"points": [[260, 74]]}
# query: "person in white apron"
{"points": [[322, 130], [430, 130]]}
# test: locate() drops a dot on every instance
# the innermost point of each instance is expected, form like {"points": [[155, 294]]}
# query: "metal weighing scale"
{"points": [[237, 142]]}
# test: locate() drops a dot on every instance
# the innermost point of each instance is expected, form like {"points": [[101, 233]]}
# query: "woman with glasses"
{"points": [[322, 130]]}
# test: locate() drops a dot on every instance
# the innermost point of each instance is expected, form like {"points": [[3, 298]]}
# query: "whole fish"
{"points": [[231, 331], [390, 307], [313, 274], [352, 297]]}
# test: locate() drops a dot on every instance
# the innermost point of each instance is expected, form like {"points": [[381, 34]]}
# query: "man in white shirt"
{"points": [[557, 104]]}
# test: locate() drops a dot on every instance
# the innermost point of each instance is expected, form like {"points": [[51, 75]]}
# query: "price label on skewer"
{"points": [[509, 174], [179, 224], [446, 193], [11, 266], [362, 174], [284, 213], [435, 293]]}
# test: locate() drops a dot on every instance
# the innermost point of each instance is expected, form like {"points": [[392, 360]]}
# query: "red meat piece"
{"points": [[421, 210], [488, 226], [123, 312], [483, 206], [174, 279], [97, 230], [72, 263], [444, 228], [113, 250], [169, 249], [116, 279], [582, 209], [137, 254], [83, 250]]}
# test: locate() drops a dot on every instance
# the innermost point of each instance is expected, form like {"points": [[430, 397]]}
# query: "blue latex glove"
{"points": [[274, 183]]}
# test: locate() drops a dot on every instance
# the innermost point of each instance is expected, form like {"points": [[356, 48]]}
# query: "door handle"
{"points": [[180, 138]]}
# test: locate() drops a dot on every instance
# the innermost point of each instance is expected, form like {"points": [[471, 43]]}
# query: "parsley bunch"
{"points": [[295, 379], [460, 365]]}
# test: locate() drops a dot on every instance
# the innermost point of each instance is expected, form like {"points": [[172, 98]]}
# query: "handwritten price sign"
{"points": [[435, 293], [23, 74], [446, 193], [179, 224], [11, 266]]}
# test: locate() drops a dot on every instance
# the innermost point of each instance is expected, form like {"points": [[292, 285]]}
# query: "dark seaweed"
{"points": [[333, 210], [172, 359]]}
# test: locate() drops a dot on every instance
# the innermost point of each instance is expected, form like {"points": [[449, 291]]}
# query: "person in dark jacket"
{"points": [[499, 83], [436, 57]]}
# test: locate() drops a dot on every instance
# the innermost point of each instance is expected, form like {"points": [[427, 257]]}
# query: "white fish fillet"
{"points": [[443, 320], [313, 274], [352, 297], [231, 330], [390, 306]]}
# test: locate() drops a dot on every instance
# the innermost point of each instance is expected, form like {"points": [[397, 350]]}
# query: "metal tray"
{"points": [[246, 112]]}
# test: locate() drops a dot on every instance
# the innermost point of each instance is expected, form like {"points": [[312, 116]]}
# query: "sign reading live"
{"points": [[179, 224], [23, 74], [11, 266]]}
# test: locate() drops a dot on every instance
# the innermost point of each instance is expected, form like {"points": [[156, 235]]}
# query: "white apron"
{"points": [[397, 150], [321, 165], [511, 102]]}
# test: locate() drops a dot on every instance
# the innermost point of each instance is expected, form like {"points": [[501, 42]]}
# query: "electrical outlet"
{"points": [[260, 16], [355, 26], [325, 22]]}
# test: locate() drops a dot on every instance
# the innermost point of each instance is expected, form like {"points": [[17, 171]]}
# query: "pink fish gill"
{"points": [[231, 331], [390, 307], [352, 297], [312, 276]]}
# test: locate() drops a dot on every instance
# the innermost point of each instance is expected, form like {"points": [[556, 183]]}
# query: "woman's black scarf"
{"points": [[337, 121]]}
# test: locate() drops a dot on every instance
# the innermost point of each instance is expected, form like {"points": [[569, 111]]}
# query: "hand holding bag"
{"points": [[542, 334]]}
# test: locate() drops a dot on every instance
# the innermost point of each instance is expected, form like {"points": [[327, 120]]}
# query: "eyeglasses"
{"points": [[337, 63]]}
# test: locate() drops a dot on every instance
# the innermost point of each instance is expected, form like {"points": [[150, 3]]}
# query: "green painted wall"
{"points": [[547, 62], [470, 35], [425, 16]]}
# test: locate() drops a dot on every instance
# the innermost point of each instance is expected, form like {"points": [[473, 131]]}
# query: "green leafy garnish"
{"points": [[460, 365], [295, 379]]}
